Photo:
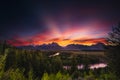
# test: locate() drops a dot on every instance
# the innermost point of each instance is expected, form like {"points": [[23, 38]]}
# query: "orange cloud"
{"points": [[47, 37], [90, 41], [62, 42]]}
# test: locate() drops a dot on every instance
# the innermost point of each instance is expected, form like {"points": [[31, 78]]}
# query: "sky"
{"points": [[36, 22]]}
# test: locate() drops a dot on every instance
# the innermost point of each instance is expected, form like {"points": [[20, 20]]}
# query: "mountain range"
{"points": [[55, 46]]}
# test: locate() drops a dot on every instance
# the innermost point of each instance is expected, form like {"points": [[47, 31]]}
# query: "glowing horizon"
{"points": [[85, 34], [61, 43]]}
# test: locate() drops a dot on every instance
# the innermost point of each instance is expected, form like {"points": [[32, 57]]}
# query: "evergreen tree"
{"points": [[113, 52]]}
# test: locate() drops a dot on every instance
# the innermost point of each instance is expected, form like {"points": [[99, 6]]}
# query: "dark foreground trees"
{"points": [[113, 52], [21, 64]]}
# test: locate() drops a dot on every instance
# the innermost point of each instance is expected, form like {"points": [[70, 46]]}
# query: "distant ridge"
{"points": [[55, 46]]}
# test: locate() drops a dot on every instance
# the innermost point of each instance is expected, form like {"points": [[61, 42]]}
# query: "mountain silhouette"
{"points": [[52, 46], [55, 46]]}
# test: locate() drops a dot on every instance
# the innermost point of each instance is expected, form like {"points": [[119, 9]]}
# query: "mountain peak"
{"points": [[54, 44]]}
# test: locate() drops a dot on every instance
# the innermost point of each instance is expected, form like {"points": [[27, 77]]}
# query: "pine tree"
{"points": [[113, 52]]}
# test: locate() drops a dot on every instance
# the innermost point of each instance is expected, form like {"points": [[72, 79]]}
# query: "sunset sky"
{"points": [[36, 22]]}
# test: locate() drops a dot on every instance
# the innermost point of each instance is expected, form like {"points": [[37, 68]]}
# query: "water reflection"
{"points": [[96, 66], [93, 66]]}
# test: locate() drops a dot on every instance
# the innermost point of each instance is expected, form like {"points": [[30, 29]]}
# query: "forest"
{"points": [[21, 64]]}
